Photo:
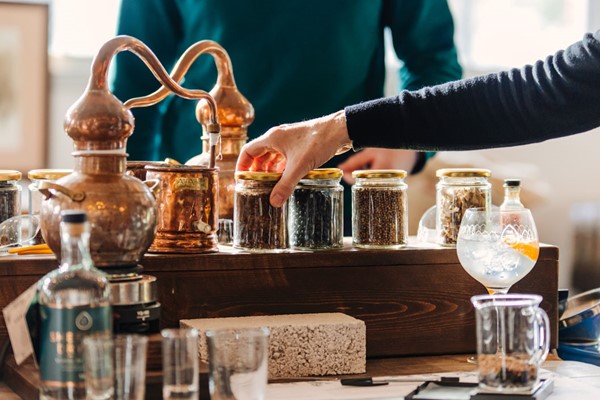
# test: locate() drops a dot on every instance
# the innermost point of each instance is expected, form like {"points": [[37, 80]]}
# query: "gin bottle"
{"points": [[74, 302], [512, 192]]}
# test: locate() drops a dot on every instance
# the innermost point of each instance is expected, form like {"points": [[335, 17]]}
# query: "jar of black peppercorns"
{"points": [[379, 209], [316, 214], [457, 190], [10, 194], [258, 226]]}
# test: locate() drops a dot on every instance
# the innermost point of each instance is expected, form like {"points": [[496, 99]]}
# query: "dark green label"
{"points": [[61, 345]]}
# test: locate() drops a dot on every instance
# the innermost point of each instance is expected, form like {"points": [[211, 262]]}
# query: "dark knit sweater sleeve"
{"points": [[552, 98]]}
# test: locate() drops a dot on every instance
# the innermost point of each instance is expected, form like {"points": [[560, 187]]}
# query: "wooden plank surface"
{"points": [[23, 382], [414, 301]]}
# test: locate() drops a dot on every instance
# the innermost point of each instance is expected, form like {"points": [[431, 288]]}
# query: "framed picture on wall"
{"points": [[23, 85]]}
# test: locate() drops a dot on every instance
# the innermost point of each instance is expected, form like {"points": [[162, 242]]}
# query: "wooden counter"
{"points": [[414, 301]]}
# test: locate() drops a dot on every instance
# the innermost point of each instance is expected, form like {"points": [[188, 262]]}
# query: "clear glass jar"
{"points": [[258, 226], [10, 194], [457, 190], [316, 214], [36, 176], [379, 209]]}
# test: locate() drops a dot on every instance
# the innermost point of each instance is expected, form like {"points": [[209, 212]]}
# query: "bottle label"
{"points": [[61, 346]]}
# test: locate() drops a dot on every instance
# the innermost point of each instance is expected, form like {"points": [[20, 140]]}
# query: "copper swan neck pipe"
{"points": [[99, 73]]}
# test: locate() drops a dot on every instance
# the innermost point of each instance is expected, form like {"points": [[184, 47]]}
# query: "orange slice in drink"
{"points": [[530, 250]]}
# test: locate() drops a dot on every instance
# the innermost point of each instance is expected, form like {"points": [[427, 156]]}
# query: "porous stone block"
{"points": [[300, 344]]}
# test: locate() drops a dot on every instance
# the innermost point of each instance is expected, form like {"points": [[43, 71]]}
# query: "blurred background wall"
{"points": [[560, 176]]}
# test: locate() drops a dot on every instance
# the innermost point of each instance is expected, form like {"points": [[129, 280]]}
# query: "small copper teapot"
{"points": [[121, 208]]}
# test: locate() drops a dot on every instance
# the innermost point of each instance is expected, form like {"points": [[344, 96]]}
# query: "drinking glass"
{"points": [[180, 360], [115, 368], [238, 363], [497, 247]]}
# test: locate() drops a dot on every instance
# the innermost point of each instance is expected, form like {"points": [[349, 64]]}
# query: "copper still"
{"points": [[122, 210], [235, 114]]}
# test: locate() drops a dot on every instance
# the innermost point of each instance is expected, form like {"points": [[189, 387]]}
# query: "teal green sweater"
{"points": [[293, 60]]}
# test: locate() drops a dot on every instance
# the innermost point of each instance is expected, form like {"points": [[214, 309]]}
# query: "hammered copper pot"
{"points": [[187, 202], [121, 210]]}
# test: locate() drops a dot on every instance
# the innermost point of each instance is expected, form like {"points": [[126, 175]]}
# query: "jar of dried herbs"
{"points": [[10, 194], [316, 215], [258, 226], [379, 209], [457, 190]]}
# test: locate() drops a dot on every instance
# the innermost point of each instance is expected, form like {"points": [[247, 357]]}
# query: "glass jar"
{"points": [[10, 194], [316, 214], [258, 226], [379, 209], [457, 190]]}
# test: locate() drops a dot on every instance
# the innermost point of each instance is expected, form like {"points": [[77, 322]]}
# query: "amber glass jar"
{"points": [[258, 226], [10, 194], [457, 190], [316, 214], [379, 209]]}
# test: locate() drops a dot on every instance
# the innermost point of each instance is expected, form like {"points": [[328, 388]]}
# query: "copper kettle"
{"points": [[121, 209]]}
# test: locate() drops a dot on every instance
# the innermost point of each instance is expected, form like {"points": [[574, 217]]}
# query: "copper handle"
{"points": [[152, 184], [45, 187]]}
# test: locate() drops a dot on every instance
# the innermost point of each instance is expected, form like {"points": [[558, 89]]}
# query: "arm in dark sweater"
{"points": [[552, 98]]}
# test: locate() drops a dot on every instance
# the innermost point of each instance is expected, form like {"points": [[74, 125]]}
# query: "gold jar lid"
{"points": [[258, 175], [463, 172], [48, 174], [324, 173], [379, 173], [9, 175]]}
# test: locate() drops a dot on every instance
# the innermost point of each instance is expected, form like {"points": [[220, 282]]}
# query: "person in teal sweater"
{"points": [[293, 60]]}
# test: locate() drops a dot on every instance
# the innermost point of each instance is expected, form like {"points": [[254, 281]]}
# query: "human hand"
{"points": [[376, 158], [295, 149]]}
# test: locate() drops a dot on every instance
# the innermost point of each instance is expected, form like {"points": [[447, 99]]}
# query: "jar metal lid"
{"points": [[379, 173], [9, 175], [258, 176], [463, 172], [324, 173], [49, 174]]}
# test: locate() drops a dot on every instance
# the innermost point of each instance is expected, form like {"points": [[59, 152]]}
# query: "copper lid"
{"points": [[9, 175], [258, 175], [463, 172], [324, 173], [48, 174], [379, 173]]}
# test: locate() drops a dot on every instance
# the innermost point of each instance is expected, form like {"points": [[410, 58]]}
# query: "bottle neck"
{"points": [[75, 246], [512, 198]]}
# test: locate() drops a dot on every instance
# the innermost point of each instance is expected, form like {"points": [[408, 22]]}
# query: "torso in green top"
{"points": [[292, 59]]}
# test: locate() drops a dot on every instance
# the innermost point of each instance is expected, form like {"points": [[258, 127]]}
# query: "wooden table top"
{"points": [[580, 372]]}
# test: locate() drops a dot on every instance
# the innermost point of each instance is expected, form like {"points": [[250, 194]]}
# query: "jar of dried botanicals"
{"points": [[379, 209], [10, 194], [457, 190], [258, 226], [316, 214]]}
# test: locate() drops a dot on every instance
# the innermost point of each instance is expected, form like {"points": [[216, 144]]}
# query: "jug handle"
{"points": [[543, 333], [45, 187]]}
